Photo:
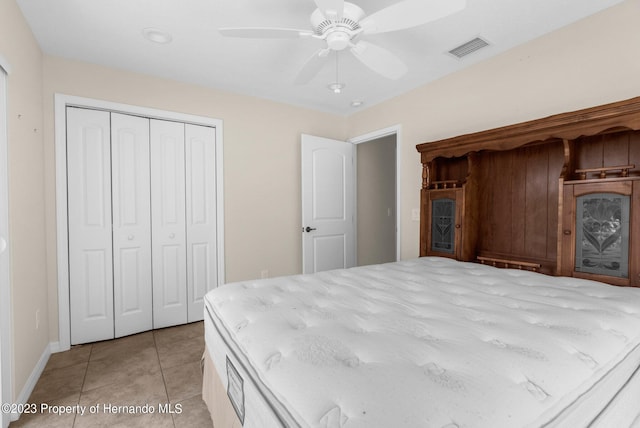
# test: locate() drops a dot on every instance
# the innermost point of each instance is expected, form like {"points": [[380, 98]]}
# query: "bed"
{"points": [[429, 342], [443, 340]]}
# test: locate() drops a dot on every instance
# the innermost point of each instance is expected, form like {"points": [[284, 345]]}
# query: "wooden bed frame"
{"points": [[515, 187]]}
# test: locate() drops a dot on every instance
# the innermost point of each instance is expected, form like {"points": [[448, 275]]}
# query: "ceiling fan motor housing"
{"points": [[337, 32]]}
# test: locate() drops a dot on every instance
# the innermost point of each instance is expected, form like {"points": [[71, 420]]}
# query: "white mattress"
{"points": [[428, 342]]}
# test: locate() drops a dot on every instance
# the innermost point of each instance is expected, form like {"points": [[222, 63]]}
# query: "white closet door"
{"points": [[201, 216], [90, 244], [132, 287], [168, 224]]}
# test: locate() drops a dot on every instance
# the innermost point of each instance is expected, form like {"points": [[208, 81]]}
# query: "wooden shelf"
{"points": [[604, 180], [534, 267], [602, 172], [445, 184], [564, 126]]}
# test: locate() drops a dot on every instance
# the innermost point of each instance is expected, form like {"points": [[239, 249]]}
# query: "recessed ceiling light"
{"points": [[156, 35], [356, 103], [336, 88]]}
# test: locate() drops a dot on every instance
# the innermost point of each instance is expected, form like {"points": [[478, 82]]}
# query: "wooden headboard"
{"points": [[515, 189]]}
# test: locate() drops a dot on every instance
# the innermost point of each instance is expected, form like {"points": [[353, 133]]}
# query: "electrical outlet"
{"points": [[264, 273]]}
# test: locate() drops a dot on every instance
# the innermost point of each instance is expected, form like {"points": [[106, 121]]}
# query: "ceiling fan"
{"points": [[341, 24]]}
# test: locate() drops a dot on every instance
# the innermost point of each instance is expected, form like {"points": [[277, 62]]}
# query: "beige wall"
{"points": [[26, 193], [376, 200], [592, 62], [261, 161]]}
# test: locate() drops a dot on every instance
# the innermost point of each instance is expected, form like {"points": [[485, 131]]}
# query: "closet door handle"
{"points": [[309, 229], [172, 235], [130, 237]]}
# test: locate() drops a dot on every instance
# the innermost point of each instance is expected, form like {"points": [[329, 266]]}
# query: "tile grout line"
{"points": [[84, 379], [164, 381]]}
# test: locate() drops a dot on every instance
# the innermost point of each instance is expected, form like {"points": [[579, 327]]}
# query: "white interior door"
{"points": [[202, 271], [89, 220], [328, 232], [168, 223], [5, 293], [130, 188]]}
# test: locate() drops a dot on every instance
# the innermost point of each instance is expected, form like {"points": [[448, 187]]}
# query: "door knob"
{"points": [[309, 229], [130, 237]]}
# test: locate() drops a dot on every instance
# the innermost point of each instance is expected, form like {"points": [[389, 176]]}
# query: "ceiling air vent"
{"points": [[468, 47]]}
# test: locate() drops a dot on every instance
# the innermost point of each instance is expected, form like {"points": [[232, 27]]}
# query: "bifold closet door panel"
{"points": [[142, 222], [89, 228], [201, 213], [168, 223], [131, 187]]}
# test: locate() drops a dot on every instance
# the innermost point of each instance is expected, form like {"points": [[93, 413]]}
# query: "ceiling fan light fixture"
{"points": [[338, 40], [339, 24], [336, 87]]}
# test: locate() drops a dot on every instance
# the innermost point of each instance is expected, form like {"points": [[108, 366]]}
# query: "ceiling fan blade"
{"points": [[264, 33], [379, 60], [409, 13], [331, 9], [311, 67]]}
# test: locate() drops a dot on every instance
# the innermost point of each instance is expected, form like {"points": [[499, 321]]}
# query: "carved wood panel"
{"points": [[519, 182]]}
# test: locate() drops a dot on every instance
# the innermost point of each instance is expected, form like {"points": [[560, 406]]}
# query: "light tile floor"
{"points": [[151, 379]]}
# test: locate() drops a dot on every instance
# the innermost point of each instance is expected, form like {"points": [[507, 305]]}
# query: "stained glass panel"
{"points": [[442, 225], [602, 234]]}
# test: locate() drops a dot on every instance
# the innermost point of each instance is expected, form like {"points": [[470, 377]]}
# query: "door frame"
{"points": [[375, 135], [6, 381], [63, 101]]}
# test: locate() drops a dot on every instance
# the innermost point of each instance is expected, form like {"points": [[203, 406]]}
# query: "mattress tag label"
{"points": [[235, 390]]}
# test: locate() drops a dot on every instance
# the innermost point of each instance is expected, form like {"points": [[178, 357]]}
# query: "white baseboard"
{"points": [[54, 347], [24, 395]]}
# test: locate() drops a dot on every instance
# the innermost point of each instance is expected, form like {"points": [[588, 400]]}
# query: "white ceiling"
{"points": [[109, 33]]}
